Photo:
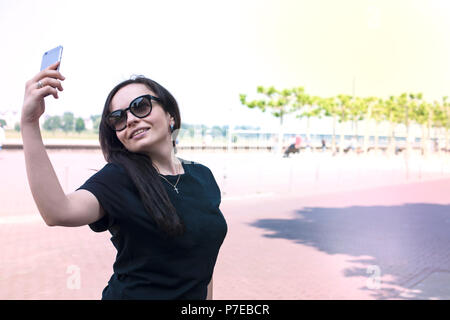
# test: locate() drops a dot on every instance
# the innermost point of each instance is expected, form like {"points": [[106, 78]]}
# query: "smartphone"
{"points": [[51, 57]]}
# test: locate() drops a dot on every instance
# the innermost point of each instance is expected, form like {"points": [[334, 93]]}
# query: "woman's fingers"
{"points": [[49, 82], [53, 66], [49, 72], [46, 91], [46, 82], [45, 78]]}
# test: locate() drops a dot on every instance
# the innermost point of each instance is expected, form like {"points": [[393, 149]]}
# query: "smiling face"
{"points": [[155, 133]]}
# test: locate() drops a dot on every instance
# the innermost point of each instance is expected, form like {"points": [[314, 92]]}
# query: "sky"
{"points": [[208, 52]]}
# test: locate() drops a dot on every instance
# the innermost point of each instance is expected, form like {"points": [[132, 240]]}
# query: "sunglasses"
{"points": [[139, 107]]}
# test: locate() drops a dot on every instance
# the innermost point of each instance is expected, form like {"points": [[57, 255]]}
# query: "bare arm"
{"points": [[81, 207]]}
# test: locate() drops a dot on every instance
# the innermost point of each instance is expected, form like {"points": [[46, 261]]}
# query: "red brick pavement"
{"points": [[321, 247], [281, 247], [252, 264]]}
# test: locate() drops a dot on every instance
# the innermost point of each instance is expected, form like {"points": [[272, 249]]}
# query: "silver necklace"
{"points": [[173, 185]]}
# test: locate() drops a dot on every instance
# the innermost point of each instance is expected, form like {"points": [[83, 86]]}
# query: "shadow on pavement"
{"points": [[408, 242]]}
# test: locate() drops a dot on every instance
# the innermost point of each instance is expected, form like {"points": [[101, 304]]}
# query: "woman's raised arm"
{"points": [[54, 206]]}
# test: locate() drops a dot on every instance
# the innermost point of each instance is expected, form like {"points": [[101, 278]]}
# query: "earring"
{"points": [[171, 127]]}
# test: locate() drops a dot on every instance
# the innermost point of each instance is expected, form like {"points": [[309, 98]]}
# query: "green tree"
{"points": [[309, 107], [203, 130], [378, 114], [421, 114], [52, 123], [191, 131], [439, 118], [184, 130], [357, 109], [217, 132], [446, 120], [330, 106], [68, 122], [366, 106], [343, 114], [393, 114], [79, 125], [96, 122], [408, 104], [279, 102], [402, 114]]}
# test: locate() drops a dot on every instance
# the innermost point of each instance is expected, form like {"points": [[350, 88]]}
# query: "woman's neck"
{"points": [[168, 165]]}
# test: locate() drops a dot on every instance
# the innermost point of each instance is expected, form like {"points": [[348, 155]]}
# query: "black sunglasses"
{"points": [[139, 107]]}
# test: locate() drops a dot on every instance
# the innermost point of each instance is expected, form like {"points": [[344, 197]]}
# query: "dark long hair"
{"points": [[139, 166]]}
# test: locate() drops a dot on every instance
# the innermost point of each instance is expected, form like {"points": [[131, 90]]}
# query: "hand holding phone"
{"points": [[52, 56], [46, 82]]}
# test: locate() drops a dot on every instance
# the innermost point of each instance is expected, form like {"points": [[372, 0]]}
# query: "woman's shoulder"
{"points": [[110, 178], [192, 164], [110, 172], [196, 167], [111, 168]]}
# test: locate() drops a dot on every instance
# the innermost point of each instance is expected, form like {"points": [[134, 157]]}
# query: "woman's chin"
{"points": [[141, 146], [146, 145]]}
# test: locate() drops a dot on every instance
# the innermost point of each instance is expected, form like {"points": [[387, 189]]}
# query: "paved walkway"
{"points": [[381, 237], [382, 243]]}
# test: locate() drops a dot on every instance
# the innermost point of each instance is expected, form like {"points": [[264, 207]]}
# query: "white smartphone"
{"points": [[51, 57]]}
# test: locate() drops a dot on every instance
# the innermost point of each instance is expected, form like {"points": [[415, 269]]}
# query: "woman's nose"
{"points": [[131, 117]]}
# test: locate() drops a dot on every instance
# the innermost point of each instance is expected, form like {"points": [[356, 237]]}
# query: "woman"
{"points": [[162, 211]]}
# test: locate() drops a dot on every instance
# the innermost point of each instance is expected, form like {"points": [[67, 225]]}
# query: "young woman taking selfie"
{"points": [[162, 211]]}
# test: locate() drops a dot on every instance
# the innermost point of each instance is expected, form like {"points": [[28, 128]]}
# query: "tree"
{"points": [[403, 114], [378, 114], [186, 129], [79, 125], [421, 114], [279, 102], [367, 107], [191, 131], [309, 107], [446, 116], [344, 102], [440, 118], [408, 105], [406, 109], [204, 130], [330, 106], [357, 109], [96, 122], [394, 115], [68, 122], [217, 131], [52, 123]]}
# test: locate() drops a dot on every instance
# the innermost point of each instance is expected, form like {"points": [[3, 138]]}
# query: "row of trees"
{"points": [[68, 123], [406, 109]]}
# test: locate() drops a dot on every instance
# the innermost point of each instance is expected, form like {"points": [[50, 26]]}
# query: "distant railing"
{"points": [[214, 148], [84, 146]]}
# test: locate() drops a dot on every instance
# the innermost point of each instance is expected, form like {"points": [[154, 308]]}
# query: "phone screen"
{"points": [[51, 57]]}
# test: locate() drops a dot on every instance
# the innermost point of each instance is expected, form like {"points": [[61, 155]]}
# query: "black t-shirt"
{"points": [[150, 265]]}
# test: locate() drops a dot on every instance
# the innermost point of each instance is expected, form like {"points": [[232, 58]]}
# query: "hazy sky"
{"points": [[207, 52]]}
